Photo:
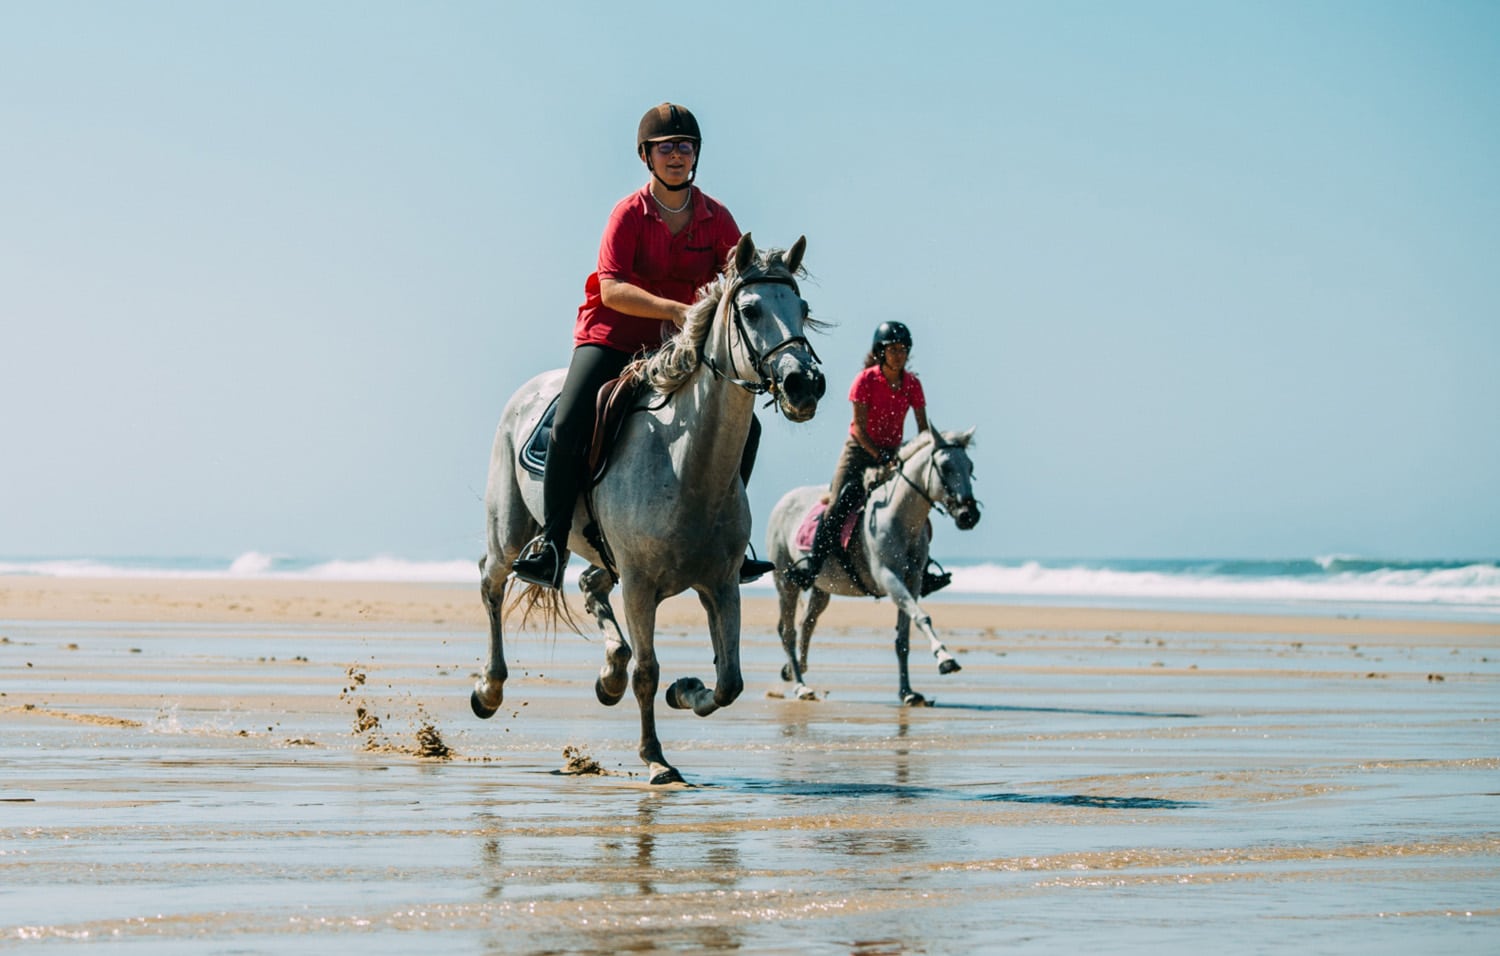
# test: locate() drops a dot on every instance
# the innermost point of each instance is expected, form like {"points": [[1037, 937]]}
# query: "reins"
{"points": [[766, 385]]}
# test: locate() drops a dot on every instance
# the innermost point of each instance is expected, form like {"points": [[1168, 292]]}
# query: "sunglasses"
{"points": [[684, 146]]}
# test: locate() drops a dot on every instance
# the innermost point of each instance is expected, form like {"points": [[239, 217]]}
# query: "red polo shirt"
{"points": [[639, 248], [886, 404]]}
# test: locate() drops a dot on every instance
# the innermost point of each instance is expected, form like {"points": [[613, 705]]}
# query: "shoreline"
{"points": [[430, 606]]}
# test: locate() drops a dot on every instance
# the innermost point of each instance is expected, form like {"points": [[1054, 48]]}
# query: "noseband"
{"points": [[758, 362]]}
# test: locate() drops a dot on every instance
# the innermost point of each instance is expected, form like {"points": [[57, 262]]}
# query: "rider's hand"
{"points": [[886, 455]]}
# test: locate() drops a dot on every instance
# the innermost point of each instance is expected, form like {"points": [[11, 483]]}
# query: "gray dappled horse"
{"points": [[671, 507], [888, 551]]}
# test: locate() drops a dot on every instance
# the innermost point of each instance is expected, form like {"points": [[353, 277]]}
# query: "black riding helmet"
{"points": [[669, 121], [889, 333]]}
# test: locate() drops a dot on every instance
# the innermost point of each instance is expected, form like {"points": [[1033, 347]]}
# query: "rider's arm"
{"points": [[921, 416], [630, 299], [861, 434]]}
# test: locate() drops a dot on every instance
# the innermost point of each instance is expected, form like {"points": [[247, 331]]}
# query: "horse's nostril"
{"points": [[803, 387], [820, 384]]}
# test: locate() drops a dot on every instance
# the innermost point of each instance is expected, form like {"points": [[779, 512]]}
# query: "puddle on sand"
{"points": [[216, 790]]}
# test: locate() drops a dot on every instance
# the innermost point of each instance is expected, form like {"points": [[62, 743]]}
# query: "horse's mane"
{"points": [[669, 367]]}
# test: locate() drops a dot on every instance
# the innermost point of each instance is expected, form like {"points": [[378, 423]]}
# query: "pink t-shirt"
{"points": [[886, 404], [639, 248]]}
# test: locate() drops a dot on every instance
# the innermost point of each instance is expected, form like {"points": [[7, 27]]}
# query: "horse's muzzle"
{"points": [[800, 391], [966, 515]]}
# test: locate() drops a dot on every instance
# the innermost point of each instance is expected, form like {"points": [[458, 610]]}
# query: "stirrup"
{"points": [[935, 581], [540, 564], [752, 568], [802, 575]]}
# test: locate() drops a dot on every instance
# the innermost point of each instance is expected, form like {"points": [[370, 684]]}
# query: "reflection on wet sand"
{"points": [[206, 786]]}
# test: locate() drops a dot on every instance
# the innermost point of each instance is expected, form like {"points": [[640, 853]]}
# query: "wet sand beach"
{"points": [[211, 766]]}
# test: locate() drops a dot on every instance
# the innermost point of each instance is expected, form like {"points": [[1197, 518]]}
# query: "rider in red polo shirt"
{"points": [[661, 244], [882, 393]]}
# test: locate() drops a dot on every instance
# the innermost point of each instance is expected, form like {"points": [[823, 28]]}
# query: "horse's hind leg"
{"points": [[489, 690], [610, 686], [817, 603], [796, 650]]}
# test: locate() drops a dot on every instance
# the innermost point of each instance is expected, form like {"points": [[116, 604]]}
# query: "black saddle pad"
{"points": [[534, 452]]}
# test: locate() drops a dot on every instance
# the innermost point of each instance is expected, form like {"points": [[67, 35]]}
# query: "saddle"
{"points": [[613, 404], [849, 547]]}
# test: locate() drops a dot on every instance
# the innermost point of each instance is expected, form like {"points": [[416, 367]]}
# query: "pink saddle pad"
{"points": [[808, 529]]}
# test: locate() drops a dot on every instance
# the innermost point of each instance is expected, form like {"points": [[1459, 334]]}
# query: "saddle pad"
{"points": [[534, 452], [808, 529]]}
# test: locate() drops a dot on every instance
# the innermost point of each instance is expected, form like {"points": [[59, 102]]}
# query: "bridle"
{"points": [[940, 507], [758, 361]]}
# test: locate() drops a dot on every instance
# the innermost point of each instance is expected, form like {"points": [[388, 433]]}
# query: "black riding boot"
{"points": [[752, 567], [546, 556], [830, 526]]}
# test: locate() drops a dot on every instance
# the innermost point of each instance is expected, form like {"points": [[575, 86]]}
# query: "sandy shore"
{"points": [[447, 606], [191, 766]]}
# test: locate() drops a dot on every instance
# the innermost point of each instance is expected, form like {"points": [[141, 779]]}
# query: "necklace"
{"points": [[666, 208]]}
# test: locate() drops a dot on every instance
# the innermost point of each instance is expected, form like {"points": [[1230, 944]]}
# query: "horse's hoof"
{"points": [[605, 697], [666, 775], [806, 693], [480, 711], [674, 695], [786, 673], [950, 666], [913, 699]]}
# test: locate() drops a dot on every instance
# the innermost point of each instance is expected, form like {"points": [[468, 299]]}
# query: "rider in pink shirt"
{"points": [[881, 394]]}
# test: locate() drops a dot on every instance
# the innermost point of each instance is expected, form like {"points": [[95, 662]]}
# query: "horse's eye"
{"points": [[805, 310], [752, 311]]}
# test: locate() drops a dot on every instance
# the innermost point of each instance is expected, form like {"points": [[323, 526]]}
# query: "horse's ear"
{"points": [[965, 437], [794, 255], [744, 254]]}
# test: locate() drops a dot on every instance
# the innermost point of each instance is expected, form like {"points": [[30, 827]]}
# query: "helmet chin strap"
{"points": [[693, 174]]}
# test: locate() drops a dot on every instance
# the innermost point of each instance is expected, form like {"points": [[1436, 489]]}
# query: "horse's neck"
{"points": [[714, 416], [911, 499]]}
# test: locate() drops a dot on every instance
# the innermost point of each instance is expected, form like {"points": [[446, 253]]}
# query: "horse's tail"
{"points": [[547, 603]]}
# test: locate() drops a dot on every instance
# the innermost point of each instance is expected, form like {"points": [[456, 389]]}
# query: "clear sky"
{"points": [[1210, 279]]}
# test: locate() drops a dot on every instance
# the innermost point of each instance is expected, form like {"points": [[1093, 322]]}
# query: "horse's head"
{"points": [[767, 323], [954, 476]]}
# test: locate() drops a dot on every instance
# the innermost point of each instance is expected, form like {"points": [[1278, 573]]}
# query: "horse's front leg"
{"points": [[901, 593], [911, 611], [610, 685], [908, 696], [723, 607], [640, 617], [489, 689]]}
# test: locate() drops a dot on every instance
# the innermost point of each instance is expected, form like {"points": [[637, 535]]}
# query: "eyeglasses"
{"points": [[684, 146]]}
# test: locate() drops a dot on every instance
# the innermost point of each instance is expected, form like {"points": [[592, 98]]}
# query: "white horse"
{"points": [[671, 508], [888, 553]]}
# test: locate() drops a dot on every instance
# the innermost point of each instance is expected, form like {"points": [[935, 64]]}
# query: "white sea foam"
{"points": [[1475, 585]]}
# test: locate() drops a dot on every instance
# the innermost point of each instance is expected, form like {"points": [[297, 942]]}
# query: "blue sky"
{"points": [[1209, 279]]}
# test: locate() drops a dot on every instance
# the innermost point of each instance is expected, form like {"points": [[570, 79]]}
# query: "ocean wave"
{"points": [[1337, 579], [1473, 584]]}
